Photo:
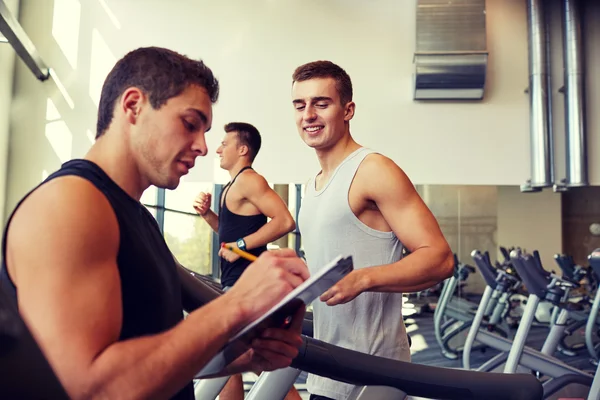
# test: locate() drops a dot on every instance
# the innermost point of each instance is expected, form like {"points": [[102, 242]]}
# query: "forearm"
{"points": [[418, 271], [212, 219], [271, 231], [158, 366]]}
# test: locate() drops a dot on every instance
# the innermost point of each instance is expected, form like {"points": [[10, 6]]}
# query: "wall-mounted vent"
{"points": [[451, 52]]}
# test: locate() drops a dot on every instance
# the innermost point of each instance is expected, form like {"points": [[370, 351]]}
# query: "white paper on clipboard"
{"points": [[304, 294]]}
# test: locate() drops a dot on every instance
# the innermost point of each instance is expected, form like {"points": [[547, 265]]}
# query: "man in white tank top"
{"points": [[360, 204]]}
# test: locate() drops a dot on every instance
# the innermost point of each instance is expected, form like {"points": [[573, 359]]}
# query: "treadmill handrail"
{"points": [[357, 368], [196, 291]]}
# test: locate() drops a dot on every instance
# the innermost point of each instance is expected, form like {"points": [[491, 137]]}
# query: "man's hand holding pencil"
{"points": [[261, 286], [231, 253]]}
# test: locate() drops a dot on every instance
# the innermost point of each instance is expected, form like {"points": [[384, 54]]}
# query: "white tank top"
{"points": [[371, 323]]}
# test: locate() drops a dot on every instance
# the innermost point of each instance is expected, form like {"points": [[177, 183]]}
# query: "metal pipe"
{"points": [[573, 60], [539, 124], [16, 36]]}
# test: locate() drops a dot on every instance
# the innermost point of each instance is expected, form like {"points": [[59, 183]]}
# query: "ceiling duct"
{"points": [[540, 121], [541, 132], [451, 52], [574, 90]]}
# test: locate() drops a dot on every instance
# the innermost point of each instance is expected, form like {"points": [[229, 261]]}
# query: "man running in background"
{"points": [[246, 203]]}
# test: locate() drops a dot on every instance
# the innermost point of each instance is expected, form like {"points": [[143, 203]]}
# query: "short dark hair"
{"points": [[160, 73], [326, 69], [248, 135]]}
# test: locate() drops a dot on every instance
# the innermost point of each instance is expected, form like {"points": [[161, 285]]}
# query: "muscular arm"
{"points": [[62, 248], [431, 259], [256, 190]]}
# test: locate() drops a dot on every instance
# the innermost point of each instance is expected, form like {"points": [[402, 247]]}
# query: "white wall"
{"points": [[7, 66], [531, 221], [254, 46], [467, 216]]}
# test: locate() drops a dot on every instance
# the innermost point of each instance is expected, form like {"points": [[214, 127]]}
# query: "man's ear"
{"points": [[243, 150], [131, 103], [349, 111]]}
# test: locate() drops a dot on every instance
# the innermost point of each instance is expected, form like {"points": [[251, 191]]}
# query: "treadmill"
{"points": [[376, 377], [594, 259], [25, 372]]}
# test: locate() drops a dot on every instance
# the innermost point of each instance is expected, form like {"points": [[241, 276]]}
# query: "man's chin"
{"points": [[172, 183], [312, 142]]}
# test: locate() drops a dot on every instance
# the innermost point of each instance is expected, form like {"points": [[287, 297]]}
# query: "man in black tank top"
{"points": [[90, 271], [245, 204]]}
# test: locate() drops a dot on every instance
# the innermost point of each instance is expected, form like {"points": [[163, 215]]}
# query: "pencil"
{"points": [[241, 253]]}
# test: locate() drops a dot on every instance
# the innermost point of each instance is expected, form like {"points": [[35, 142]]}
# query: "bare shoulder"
{"points": [[251, 181], [380, 173], [71, 196], [66, 213]]}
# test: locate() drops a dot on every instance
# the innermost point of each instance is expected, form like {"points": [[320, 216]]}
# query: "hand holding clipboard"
{"points": [[280, 314]]}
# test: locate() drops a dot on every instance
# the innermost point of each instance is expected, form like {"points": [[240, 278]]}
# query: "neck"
{"points": [[233, 171], [331, 157], [110, 153]]}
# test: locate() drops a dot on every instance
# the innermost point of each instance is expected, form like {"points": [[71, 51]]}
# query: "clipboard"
{"points": [[280, 314]]}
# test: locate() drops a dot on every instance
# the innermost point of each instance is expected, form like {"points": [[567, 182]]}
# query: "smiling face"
{"points": [[229, 150], [167, 140], [320, 117]]}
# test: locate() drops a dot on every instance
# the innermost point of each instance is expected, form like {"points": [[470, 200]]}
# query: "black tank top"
{"points": [[150, 286], [233, 227]]}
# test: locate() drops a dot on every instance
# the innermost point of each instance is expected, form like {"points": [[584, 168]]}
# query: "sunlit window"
{"points": [[58, 133], [189, 237], [65, 28], [102, 61]]}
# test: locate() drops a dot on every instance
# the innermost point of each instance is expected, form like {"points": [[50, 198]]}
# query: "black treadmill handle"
{"points": [[415, 380], [469, 268], [307, 324], [195, 291], [505, 253]]}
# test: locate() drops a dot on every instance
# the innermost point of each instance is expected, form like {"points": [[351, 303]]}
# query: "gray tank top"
{"points": [[371, 323]]}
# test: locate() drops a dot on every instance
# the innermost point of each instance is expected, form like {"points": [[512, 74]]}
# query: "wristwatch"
{"points": [[241, 244]]}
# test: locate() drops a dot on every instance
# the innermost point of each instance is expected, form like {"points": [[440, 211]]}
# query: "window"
{"points": [[149, 198], [188, 236]]}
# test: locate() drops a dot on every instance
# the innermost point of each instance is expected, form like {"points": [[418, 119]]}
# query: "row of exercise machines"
{"points": [[25, 373], [455, 309], [487, 327]]}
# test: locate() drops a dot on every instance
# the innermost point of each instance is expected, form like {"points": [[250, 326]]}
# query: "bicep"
{"points": [[413, 223], [265, 199], [403, 209], [63, 249]]}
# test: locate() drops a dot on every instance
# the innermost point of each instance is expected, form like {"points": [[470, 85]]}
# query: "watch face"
{"points": [[241, 244]]}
